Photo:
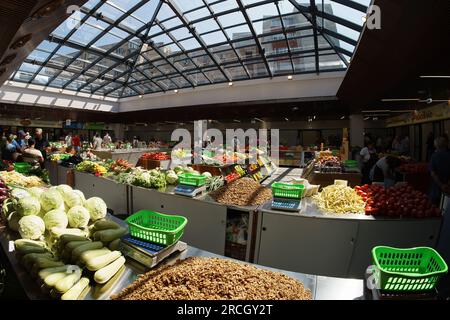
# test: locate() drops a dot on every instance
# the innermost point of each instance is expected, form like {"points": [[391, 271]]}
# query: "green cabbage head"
{"points": [[96, 207], [51, 199], [31, 227], [55, 218], [64, 189], [72, 199], [78, 217], [28, 206], [36, 192]]}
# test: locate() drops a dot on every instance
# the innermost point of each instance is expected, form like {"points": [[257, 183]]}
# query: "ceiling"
{"points": [[388, 64], [135, 47]]}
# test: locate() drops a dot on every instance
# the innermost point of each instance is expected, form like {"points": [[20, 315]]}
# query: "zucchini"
{"points": [[104, 225], [53, 278], [64, 285], [99, 262], [43, 263], [114, 245], [101, 289], [74, 292], [48, 271], [87, 255], [20, 243], [29, 259], [58, 232], [66, 238], [26, 249], [67, 252], [109, 235], [106, 273], [76, 253], [84, 293]]}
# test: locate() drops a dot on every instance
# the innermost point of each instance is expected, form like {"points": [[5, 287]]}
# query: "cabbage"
{"points": [[35, 192], [13, 221], [64, 189], [55, 218], [96, 207], [51, 199], [81, 195], [78, 217], [171, 177], [72, 199], [31, 227], [20, 193], [207, 174], [28, 206]]}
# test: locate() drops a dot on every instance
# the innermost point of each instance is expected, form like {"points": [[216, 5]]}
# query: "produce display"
{"points": [[91, 167], [339, 199], [213, 279], [18, 179], [242, 192], [398, 201], [58, 246], [120, 166], [155, 156], [6, 165]]}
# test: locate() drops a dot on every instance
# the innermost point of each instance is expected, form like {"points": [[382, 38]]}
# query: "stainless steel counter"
{"points": [[321, 287]]}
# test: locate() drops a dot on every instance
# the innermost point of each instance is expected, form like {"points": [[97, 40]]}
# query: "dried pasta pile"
{"points": [[339, 199]]}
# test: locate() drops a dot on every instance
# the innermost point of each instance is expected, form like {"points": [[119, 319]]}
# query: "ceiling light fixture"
{"points": [[286, 119], [343, 117], [230, 84], [257, 119], [405, 99], [238, 121], [290, 77], [176, 90], [141, 96], [60, 90], [438, 77], [366, 118], [364, 19]]}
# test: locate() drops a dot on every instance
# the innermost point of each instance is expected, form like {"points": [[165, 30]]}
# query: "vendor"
{"points": [[440, 170], [369, 159], [384, 170]]}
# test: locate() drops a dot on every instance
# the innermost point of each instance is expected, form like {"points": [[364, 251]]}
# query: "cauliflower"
{"points": [[78, 217], [51, 199], [55, 218], [171, 177], [96, 207], [28, 206], [72, 199], [31, 227]]}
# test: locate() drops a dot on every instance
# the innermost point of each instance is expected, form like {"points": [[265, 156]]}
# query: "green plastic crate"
{"points": [[156, 227], [190, 179], [286, 190], [407, 270], [350, 163], [22, 167]]}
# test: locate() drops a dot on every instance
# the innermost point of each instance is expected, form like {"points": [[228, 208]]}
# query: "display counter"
{"points": [[131, 155], [322, 288], [325, 179], [273, 238]]}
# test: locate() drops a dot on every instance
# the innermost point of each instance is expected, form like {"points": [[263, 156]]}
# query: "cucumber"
{"points": [[64, 285], [103, 275], [67, 252], [53, 278], [20, 243], [65, 238], [99, 262], [75, 292], [109, 235], [104, 225], [26, 249], [43, 263], [114, 245], [76, 253], [87, 255], [29, 259], [48, 271]]}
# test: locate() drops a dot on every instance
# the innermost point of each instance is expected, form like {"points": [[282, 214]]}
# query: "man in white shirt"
{"points": [[68, 140], [97, 142], [107, 139]]}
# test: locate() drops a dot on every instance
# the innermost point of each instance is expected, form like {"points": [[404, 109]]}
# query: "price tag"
{"points": [[11, 246]]}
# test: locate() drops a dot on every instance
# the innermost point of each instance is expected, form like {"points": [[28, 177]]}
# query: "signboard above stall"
{"points": [[434, 113]]}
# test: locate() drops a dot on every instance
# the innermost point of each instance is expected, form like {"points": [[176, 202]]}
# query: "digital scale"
{"points": [[147, 253], [285, 204], [189, 191]]}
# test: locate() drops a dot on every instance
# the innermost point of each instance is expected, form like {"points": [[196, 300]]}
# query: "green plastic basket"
{"points": [[190, 179], [286, 190], [408, 270], [350, 163], [156, 227], [22, 167]]}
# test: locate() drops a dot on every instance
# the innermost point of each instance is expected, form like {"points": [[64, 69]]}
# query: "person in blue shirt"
{"points": [[21, 140], [440, 170], [9, 151]]}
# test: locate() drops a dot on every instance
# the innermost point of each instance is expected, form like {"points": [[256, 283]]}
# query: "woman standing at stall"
{"points": [[384, 170]]}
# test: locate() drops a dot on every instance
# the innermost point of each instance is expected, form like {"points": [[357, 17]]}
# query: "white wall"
{"points": [[35, 95], [309, 87]]}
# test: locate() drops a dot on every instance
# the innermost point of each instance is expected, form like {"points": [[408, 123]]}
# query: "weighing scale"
{"points": [[189, 191], [286, 204], [147, 253]]}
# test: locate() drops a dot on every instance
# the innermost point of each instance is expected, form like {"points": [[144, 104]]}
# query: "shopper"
{"points": [[21, 142], [41, 143], [76, 142], [430, 145], [107, 139], [404, 146], [369, 159], [68, 140], [97, 145], [9, 151], [384, 170], [396, 145], [440, 170], [31, 155], [135, 142]]}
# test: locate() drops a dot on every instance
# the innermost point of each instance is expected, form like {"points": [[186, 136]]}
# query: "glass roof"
{"points": [[122, 48]]}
